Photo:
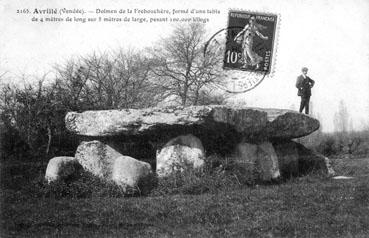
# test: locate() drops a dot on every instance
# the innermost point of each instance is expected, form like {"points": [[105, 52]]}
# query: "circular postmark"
{"points": [[247, 48]]}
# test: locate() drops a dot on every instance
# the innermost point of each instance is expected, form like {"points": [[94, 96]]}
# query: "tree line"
{"points": [[174, 69]]}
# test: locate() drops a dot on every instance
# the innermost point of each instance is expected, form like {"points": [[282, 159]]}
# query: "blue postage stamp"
{"points": [[250, 41]]}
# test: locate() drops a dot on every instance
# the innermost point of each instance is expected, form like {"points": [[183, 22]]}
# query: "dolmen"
{"points": [[132, 145]]}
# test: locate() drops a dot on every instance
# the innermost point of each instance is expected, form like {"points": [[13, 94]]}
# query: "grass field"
{"points": [[311, 206]]}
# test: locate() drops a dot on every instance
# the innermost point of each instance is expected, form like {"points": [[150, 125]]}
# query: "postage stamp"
{"points": [[250, 41]]}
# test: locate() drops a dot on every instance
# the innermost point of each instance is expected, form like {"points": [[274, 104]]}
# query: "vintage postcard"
{"points": [[172, 118]]}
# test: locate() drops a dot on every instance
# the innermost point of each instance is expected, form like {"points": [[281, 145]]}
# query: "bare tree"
{"points": [[341, 118], [133, 87], [71, 85], [29, 110], [2, 75], [181, 68], [108, 80]]}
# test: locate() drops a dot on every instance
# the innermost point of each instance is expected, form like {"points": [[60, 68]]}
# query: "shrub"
{"points": [[326, 146], [338, 143], [85, 186], [218, 174]]}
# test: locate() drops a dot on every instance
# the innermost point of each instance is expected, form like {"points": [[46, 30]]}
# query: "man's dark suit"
{"points": [[304, 86]]}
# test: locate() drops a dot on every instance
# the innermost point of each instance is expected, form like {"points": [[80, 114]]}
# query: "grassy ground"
{"points": [[311, 206]]}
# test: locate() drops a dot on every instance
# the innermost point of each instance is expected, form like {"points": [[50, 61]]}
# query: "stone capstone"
{"points": [[60, 168], [251, 123]]}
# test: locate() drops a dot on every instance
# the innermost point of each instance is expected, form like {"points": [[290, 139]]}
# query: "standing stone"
{"points": [[330, 170], [97, 158], [288, 158], [245, 163], [60, 168], [187, 140], [246, 155], [105, 162], [261, 160], [310, 161], [131, 173], [182, 153], [267, 162]]}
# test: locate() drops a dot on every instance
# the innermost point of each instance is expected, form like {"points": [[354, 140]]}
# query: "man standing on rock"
{"points": [[304, 85]]}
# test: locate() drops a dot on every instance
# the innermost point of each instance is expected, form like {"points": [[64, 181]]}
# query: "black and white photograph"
{"points": [[169, 118]]}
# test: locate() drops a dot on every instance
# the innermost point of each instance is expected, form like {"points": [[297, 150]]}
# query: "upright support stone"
{"points": [[288, 158], [260, 159], [105, 162], [97, 158], [180, 154], [131, 173], [60, 168], [312, 161], [267, 161], [246, 155], [187, 140]]}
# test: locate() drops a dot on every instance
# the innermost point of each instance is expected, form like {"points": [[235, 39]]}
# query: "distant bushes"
{"points": [[355, 144]]}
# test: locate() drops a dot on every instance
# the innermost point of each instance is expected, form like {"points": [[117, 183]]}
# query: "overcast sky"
{"points": [[330, 37]]}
